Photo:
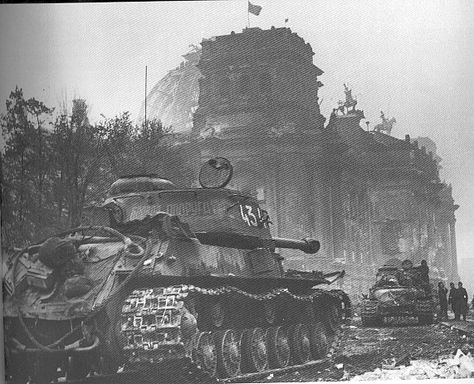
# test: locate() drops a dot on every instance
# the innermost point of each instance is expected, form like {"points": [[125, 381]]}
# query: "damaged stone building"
{"points": [[367, 196]]}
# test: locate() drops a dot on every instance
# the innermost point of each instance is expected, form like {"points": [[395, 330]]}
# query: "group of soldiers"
{"points": [[410, 275], [406, 276], [457, 298], [415, 275]]}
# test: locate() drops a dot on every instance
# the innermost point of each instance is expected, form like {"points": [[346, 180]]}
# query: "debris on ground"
{"points": [[458, 366], [396, 350]]}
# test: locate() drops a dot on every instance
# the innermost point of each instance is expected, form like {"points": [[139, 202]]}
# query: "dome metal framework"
{"points": [[174, 99]]}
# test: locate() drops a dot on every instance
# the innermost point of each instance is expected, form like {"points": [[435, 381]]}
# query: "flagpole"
{"points": [[252, 9], [146, 75]]}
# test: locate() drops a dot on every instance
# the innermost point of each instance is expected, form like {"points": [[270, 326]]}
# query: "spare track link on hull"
{"points": [[153, 333]]}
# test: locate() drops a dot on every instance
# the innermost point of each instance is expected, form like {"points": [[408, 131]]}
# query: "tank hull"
{"points": [[163, 282], [233, 299], [397, 303]]}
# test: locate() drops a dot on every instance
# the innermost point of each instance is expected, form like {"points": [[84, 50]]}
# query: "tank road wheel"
{"points": [[278, 347], [228, 353], [254, 350], [205, 353], [269, 312], [299, 343], [318, 341]]}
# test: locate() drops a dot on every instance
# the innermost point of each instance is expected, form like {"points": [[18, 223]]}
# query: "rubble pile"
{"points": [[459, 366], [389, 352]]}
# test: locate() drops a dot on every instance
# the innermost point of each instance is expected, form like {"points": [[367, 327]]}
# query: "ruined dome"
{"points": [[174, 99]]}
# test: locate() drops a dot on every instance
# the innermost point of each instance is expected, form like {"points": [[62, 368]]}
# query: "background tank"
{"points": [[399, 291], [166, 280]]}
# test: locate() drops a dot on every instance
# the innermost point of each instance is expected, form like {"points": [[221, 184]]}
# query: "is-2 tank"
{"points": [[161, 277], [400, 291]]}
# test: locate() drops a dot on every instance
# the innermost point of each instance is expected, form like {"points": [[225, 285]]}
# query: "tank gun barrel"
{"points": [[306, 245]]}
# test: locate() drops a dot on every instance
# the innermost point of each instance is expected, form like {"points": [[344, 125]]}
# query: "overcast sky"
{"points": [[411, 59]]}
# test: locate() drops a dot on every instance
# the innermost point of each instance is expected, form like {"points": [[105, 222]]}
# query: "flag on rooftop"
{"points": [[254, 9]]}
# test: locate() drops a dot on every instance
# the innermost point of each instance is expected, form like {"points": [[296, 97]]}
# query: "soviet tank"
{"points": [[400, 291], [160, 278]]}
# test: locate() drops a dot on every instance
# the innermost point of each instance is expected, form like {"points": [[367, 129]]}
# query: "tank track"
{"points": [[154, 339]]}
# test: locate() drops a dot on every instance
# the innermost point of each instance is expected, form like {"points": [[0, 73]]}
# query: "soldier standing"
{"points": [[424, 271], [422, 275], [461, 302], [452, 298], [443, 301]]}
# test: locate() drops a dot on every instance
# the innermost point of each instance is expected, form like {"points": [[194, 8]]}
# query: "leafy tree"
{"points": [[117, 136], [25, 169], [153, 150], [49, 174], [85, 157]]}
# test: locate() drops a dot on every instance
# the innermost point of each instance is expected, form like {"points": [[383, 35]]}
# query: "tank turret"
{"points": [[160, 277]]}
